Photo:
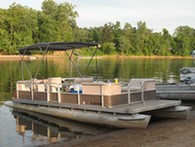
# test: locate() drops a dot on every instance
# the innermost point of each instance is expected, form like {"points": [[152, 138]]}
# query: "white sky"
{"points": [[157, 14]]}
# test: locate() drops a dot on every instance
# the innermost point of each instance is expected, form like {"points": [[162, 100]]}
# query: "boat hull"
{"points": [[95, 117]]}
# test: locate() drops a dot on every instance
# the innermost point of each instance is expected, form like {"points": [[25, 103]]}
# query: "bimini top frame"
{"points": [[59, 46]]}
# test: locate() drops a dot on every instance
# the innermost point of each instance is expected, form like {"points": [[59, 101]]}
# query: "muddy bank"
{"points": [[166, 132]]}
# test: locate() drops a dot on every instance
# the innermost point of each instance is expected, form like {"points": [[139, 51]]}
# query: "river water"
{"points": [[16, 127]]}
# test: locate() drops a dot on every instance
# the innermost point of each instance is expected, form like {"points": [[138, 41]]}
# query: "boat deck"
{"points": [[122, 109]]}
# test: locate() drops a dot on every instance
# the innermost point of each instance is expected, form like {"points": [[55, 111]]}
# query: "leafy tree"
{"points": [[117, 35], [167, 42], [127, 39], [49, 8], [47, 28], [184, 38], [143, 37], [108, 48], [95, 35], [4, 34], [57, 21], [107, 34], [81, 34], [66, 20], [124, 45], [20, 24]]}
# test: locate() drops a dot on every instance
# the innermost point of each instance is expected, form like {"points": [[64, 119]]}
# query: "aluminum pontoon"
{"points": [[87, 100]]}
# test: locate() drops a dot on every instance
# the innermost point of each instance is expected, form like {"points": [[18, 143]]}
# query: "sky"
{"points": [[157, 14]]}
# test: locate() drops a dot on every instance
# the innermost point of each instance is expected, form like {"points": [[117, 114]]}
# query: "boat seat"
{"points": [[132, 89], [82, 80], [148, 84], [54, 83]]}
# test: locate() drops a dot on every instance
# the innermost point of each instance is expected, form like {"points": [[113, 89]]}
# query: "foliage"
{"points": [[21, 26], [109, 48]]}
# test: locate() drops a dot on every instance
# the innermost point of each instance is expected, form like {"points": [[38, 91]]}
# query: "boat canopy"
{"points": [[56, 46]]}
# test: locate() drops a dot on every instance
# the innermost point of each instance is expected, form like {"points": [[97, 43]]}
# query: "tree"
{"points": [[124, 45], [127, 39], [81, 34], [184, 40], [108, 48], [107, 34], [19, 27], [167, 42], [49, 8], [4, 34], [117, 35], [66, 20], [143, 36], [57, 21], [95, 35], [47, 28]]}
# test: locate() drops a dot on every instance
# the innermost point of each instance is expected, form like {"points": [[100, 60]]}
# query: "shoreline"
{"points": [[27, 57], [165, 132]]}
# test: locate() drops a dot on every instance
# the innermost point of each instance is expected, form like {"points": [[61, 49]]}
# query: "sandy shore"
{"points": [[159, 133], [9, 57], [17, 57]]}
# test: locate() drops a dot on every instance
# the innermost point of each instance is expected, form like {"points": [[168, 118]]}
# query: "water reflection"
{"points": [[163, 70], [38, 129]]}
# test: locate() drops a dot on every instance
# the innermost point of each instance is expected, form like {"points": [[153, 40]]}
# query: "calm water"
{"points": [[16, 127]]}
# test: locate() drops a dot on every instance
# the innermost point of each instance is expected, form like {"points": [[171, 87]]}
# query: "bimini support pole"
{"points": [[70, 58], [44, 53], [22, 65], [93, 54]]}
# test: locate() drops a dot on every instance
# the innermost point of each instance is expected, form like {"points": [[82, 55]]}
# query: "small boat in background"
{"points": [[187, 74], [92, 101], [184, 90]]}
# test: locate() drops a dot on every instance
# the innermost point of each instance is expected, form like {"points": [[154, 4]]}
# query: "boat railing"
{"points": [[32, 86], [138, 85], [95, 93], [41, 91], [54, 92]]}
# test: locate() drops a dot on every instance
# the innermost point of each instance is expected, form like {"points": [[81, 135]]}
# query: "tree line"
{"points": [[21, 26]]}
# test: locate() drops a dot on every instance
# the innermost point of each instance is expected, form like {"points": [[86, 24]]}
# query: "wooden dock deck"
{"points": [[122, 109]]}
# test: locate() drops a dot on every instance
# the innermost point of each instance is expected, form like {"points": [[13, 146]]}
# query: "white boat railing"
{"points": [[53, 92], [138, 85], [47, 89]]}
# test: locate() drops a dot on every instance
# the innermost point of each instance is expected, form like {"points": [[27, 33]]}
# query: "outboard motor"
{"points": [[187, 80]]}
